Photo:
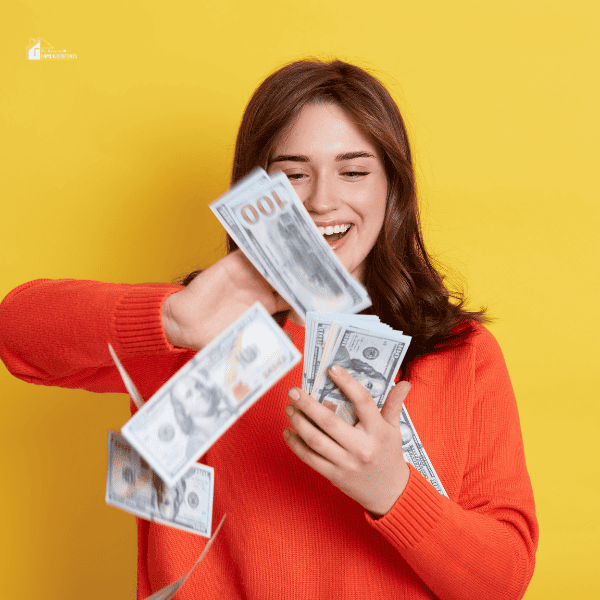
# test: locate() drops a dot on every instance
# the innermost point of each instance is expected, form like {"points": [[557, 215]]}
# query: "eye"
{"points": [[369, 385], [295, 176], [355, 174]]}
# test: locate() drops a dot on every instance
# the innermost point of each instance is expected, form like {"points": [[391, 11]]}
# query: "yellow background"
{"points": [[107, 163]]}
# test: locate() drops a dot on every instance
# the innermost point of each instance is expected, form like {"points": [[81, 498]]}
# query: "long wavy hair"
{"points": [[407, 291]]}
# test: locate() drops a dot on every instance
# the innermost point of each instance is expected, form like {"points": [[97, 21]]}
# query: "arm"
{"points": [[57, 332], [483, 544]]}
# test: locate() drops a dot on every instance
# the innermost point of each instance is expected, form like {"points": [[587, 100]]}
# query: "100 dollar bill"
{"points": [[415, 454], [371, 357], [269, 223], [133, 487], [187, 415]]}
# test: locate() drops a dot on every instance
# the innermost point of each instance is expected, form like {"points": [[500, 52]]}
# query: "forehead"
{"points": [[323, 128]]}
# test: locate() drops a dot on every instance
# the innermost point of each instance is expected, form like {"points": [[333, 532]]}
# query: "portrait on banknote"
{"points": [[199, 409], [373, 381]]}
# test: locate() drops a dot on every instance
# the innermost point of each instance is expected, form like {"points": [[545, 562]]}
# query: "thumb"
{"points": [[393, 404]]}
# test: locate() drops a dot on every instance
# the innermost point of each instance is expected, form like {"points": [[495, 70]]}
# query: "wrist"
{"points": [[171, 327], [394, 496]]}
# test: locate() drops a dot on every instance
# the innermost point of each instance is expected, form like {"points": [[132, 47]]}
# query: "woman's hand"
{"points": [[215, 298], [364, 461]]}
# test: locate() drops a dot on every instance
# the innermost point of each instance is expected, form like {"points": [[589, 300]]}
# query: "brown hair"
{"points": [[406, 289]]}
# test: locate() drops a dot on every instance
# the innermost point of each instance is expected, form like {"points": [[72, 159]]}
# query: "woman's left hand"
{"points": [[365, 461]]}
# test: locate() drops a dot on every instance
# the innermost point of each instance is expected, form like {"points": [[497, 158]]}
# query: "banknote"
{"points": [[248, 187], [415, 454], [129, 385], [132, 486], [316, 334], [373, 357], [187, 415], [170, 590], [269, 223]]}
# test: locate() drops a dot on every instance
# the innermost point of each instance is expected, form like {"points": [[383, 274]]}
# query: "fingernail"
{"points": [[293, 394], [289, 410], [286, 433], [335, 369]]}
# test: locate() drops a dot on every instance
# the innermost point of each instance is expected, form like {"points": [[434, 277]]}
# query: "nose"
{"points": [[320, 197]]}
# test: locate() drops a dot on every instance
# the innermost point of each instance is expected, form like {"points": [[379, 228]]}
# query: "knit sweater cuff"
{"points": [[137, 323], [414, 514]]}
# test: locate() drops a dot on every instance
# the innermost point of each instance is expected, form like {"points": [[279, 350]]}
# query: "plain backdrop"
{"points": [[108, 161]]}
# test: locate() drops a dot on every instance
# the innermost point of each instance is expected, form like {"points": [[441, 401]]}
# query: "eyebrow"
{"points": [[303, 158]]}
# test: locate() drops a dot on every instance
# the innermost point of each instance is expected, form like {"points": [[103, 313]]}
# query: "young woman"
{"points": [[331, 511]]}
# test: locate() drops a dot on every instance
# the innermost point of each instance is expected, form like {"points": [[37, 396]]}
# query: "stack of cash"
{"points": [[369, 350]]}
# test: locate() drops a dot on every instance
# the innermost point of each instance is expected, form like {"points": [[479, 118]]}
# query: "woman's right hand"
{"points": [[214, 299]]}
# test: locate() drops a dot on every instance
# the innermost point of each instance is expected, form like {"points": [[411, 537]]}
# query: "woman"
{"points": [[331, 511]]}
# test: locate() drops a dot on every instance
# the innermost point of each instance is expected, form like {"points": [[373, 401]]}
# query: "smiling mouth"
{"points": [[334, 237], [330, 238]]}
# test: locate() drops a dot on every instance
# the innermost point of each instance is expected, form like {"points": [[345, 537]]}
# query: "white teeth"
{"points": [[335, 229]]}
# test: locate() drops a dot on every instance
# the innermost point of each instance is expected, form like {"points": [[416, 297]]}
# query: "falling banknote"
{"points": [[133, 487], [187, 415], [170, 590], [372, 353], [414, 453], [269, 223]]}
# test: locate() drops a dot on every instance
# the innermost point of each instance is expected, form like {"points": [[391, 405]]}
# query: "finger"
{"points": [[306, 454], [316, 439], [393, 404], [323, 418], [364, 404]]}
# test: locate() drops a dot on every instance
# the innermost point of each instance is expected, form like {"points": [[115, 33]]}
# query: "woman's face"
{"points": [[339, 176]]}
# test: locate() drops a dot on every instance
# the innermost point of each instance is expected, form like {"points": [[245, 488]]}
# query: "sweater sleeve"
{"points": [[483, 544], [56, 332]]}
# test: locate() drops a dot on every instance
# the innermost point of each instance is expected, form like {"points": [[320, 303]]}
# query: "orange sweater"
{"points": [[289, 532]]}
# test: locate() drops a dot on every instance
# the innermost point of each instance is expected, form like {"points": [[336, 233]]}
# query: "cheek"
{"points": [[374, 207], [381, 206]]}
